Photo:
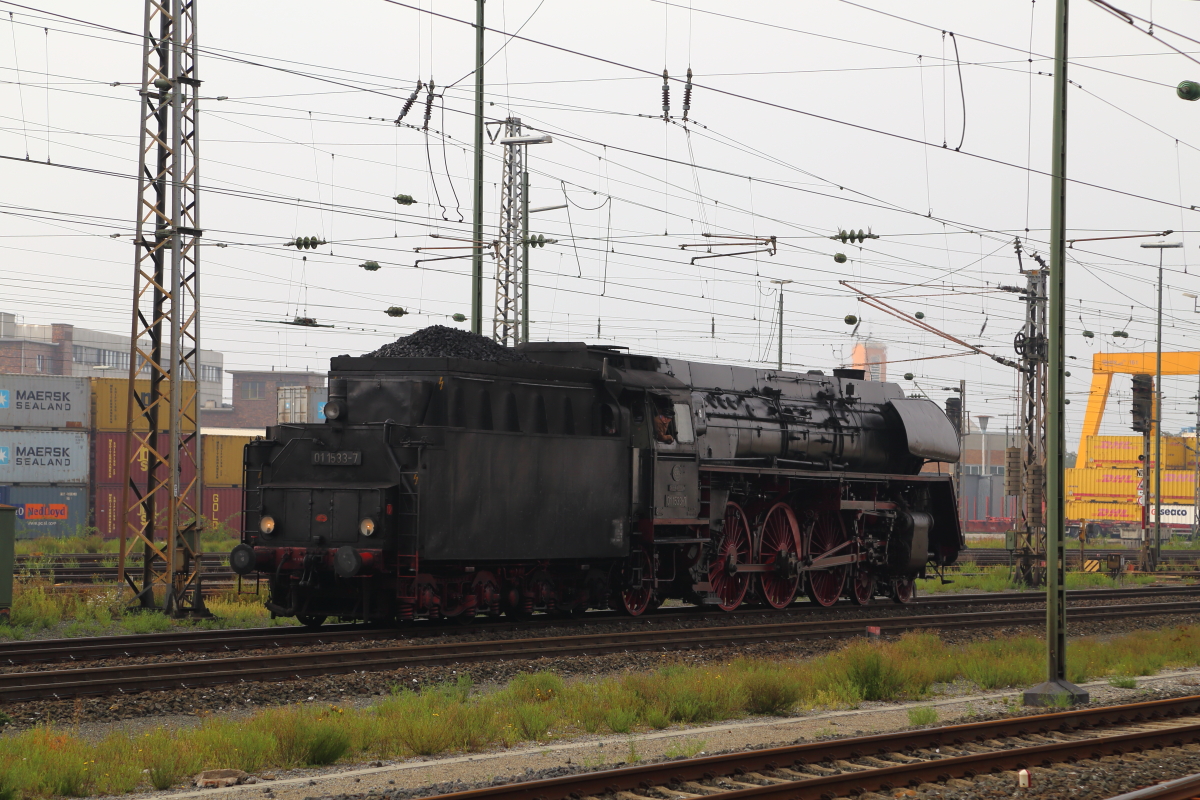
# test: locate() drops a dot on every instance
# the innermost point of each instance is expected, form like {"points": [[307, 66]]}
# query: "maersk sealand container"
{"points": [[41, 457], [42, 401]]}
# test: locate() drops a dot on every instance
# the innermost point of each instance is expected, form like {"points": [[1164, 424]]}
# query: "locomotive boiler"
{"points": [[572, 477]]}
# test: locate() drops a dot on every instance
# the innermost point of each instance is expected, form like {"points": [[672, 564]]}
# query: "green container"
{"points": [[8, 538]]}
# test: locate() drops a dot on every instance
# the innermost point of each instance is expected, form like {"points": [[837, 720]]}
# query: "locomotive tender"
{"points": [[587, 477]]}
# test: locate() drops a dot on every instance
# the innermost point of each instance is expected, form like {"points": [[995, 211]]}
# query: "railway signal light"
{"points": [[1143, 397]]}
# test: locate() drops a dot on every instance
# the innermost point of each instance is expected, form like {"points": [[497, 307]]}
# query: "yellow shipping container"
{"points": [[1125, 451], [1130, 513], [110, 403], [222, 459], [1121, 485]]}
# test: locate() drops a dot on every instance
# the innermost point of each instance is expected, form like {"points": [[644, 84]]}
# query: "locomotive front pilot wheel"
{"points": [[904, 589], [825, 586], [779, 549], [727, 583], [635, 600], [862, 587]]}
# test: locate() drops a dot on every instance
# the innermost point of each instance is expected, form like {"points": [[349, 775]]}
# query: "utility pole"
{"points": [[1196, 470], [477, 205], [514, 244], [781, 284], [524, 310], [1025, 462], [1157, 547], [165, 316], [1056, 685]]}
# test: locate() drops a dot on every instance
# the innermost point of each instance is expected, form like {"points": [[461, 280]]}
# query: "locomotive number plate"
{"points": [[337, 458]]}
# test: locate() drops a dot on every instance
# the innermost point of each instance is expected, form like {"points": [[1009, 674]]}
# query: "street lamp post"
{"points": [[1157, 549]]}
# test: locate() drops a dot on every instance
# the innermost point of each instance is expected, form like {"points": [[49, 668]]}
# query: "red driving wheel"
{"points": [[779, 549], [825, 586], [905, 590], [727, 583]]}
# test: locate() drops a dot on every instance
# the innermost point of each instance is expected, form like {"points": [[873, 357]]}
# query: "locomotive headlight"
{"points": [[367, 527], [267, 524]]}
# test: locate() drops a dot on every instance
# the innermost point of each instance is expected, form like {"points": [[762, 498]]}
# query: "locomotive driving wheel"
{"points": [[825, 586], [727, 583], [779, 548], [311, 621], [637, 599]]}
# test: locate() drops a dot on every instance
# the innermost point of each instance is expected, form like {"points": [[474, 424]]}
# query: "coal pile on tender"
{"points": [[438, 341]]}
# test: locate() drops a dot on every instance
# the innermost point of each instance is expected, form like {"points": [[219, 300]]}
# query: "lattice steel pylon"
{"points": [[1029, 550], [514, 250], [163, 413]]}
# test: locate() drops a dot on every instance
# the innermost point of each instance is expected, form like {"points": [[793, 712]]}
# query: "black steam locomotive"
{"points": [[586, 477]]}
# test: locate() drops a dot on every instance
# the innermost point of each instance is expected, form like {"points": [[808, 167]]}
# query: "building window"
{"points": [[254, 390], [995, 470], [210, 373], [41, 363], [972, 469]]}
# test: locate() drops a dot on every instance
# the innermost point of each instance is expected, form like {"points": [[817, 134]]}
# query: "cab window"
{"points": [[683, 423]]}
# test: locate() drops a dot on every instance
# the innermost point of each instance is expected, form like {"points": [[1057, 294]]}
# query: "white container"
{"points": [[29, 456], [41, 401]]}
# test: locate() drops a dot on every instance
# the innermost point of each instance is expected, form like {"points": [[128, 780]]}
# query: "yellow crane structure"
{"points": [[1105, 365]]}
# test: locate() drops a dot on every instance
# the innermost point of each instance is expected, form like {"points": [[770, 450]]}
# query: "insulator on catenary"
{"points": [[714, 328], [597, 327], [687, 95], [428, 106], [666, 97], [408, 104]]}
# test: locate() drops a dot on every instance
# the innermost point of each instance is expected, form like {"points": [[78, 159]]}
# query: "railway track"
{"points": [[1181, 789], [885, 762], [15, 653], [997, 556], [224, 641], [91, 680]]}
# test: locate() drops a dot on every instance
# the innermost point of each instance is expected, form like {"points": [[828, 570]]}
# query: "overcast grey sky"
{"points": [[836, 99]]}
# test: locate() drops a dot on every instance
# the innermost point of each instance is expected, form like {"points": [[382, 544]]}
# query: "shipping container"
{"points": [[1121, 485], [110, 403], [223, 506], [109, 458], [1083, 511], [301, 404], [43, 401], [1126, 451], [107, 511], [222, 457], [55, 511], [32, 456]]}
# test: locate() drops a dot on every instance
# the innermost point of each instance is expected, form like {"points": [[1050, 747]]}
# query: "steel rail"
{"points": [[191, 641], [906, 758], [1180, 789], [88, 680]]}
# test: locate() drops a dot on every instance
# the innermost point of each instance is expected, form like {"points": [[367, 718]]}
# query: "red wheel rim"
{"points": [[906, 588], [636, 599], [825, 586], [862, 588], [734, 549], [779, 544]]}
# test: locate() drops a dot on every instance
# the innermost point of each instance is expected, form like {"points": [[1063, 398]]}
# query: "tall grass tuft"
{"points": [[872, 675]]}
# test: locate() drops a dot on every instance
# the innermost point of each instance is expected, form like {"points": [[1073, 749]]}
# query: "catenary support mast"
{"points": [[160, 529], [1056, 685], [477, 201]]}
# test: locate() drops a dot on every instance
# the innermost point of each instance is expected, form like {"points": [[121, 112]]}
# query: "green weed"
{"points": [[922, 715], [1123, 681]]}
